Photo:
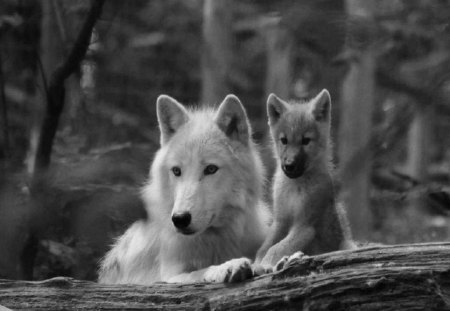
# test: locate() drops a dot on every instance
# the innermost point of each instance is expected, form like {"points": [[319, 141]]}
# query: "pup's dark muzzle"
{"points": [[294, 170], [293, 162]]}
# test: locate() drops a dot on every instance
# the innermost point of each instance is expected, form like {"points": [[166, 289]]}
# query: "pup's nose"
{"points": [[289, 168], [181, 221]]}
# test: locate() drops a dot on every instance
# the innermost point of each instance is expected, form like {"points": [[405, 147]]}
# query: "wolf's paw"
{"points": [[287, 260], [234, 270], [261, 269]]}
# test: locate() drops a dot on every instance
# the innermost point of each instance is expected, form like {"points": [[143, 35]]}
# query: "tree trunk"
{"points": [[217, 50], [55, 93], [48, 57], [419, 144], [4, 140], [401, 277], [279, 45], [356, 121]]}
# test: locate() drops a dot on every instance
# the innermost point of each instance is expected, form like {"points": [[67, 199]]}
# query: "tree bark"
{"points": [[279, 46], [418, 159], [4, 142], [400, 277], [356, 120], [217, 50]]}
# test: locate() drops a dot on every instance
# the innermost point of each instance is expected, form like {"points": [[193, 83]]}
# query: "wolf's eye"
{"points": [[306, 140], [176, 171], [283, 140], [210, 169]]}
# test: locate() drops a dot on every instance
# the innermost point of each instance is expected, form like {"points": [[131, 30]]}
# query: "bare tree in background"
{"points": [[55, 90], [217, 50], [418, 160], [4, 137], [418, 143], [356, 118], [50, 54], [279, 47]]}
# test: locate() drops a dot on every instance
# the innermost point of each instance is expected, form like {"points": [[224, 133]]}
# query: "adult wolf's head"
{"points": [[207, 169], [301, 132]]}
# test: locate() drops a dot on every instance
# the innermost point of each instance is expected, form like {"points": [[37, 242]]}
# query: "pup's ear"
{"points": [[321, 106], [232, 119], [275, 108], [171, 115]]}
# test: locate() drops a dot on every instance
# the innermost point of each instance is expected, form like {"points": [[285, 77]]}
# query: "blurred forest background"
{"points": [[79, 81]]}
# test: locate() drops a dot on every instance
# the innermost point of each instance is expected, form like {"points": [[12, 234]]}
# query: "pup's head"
{"points": [[201, 166], [300, 132]]}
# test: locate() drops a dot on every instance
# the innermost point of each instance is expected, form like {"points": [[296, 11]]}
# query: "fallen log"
{"points": [[399, 277]]}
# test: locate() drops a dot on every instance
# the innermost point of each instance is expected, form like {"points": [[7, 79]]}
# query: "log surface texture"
{"points": [[400, 277]]}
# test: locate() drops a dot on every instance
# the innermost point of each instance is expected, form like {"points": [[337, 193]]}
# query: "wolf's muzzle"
{"points": [[294, 170]]}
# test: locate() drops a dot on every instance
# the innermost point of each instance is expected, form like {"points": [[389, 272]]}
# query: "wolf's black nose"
{"points": [[289, 168], [181, 221]]}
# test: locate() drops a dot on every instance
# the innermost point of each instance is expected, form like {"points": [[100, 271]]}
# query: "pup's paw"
{"points": [[261, 269], [287, 260], [234, 270]]}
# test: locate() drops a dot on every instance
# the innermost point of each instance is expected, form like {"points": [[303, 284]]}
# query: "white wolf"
{"points": [[204, 200]]}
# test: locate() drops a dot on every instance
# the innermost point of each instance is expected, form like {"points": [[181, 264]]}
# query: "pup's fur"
{"points": [[228, 215], [306, 216]]}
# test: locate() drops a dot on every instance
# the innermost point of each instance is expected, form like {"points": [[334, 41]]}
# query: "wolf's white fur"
{"points": [[228, 216]]}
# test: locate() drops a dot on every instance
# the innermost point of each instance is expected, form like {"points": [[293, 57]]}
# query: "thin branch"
{"points": [[42, 74], [80, 47], [424, 96], [59, 19], [56, 91]]}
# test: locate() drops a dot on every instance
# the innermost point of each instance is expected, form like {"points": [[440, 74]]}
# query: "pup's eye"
{"points": [[306, 140], [210, 169], [283, 140], [176, 171]]}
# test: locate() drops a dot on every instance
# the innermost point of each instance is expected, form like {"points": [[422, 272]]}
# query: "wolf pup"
{"points": [[306, 216], [204, 201]]}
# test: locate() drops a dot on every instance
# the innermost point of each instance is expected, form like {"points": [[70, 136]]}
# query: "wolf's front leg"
{"points": [[188, 277], [295, 241], [287, 260], [234, 270], [276, 234]]}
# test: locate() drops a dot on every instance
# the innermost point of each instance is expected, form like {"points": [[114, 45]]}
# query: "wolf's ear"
{"points": [[171, 115], [321, 106], [275, 108], [232, 119]]}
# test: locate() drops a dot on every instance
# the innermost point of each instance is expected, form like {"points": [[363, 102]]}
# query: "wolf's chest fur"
{"points": [[212, 247], [292, 196]]}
